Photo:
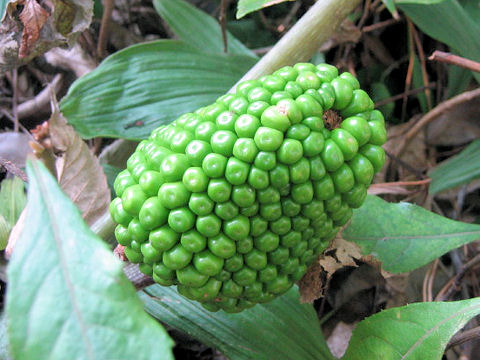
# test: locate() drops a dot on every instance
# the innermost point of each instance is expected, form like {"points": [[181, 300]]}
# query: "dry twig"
{"points": [[451, 59], [103, 36]]}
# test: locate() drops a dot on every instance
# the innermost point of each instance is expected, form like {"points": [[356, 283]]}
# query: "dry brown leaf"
{"points": [[33, 17], [457, 126], [311, 286], [36, 31], [79, 172], [346, 252], [341, 253]]}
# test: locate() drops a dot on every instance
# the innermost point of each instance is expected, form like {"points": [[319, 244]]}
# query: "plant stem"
{"points": [[104, 226], [304, 39]]}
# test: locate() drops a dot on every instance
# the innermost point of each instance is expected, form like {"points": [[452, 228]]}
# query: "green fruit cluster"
{"points": [[233, 202]]}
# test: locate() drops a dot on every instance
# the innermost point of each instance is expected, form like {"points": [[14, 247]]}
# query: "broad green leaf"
{"points": [[197, 28], [245, 7], [144, 86], [282, 329], [67, 295], [458, 29], [405, 236], [458, 170], [421, 2], [458, 80], [12, 199], [416, 331]]}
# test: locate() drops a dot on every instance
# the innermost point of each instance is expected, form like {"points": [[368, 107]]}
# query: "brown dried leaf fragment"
{"points": [[341, 253], [311, 286], [79, 172], [30, 28], [33, 17]]}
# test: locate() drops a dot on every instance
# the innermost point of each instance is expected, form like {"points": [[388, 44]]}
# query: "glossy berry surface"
{"points": [[232, 203]]}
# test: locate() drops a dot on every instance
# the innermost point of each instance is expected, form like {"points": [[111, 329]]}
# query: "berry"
{"points": [[232, 203]]}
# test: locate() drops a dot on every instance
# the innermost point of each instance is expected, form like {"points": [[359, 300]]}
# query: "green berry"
{"points": [[234, 201]]}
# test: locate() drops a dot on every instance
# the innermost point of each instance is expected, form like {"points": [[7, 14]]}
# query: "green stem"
{"points": [[302, 41], [104, 226]]}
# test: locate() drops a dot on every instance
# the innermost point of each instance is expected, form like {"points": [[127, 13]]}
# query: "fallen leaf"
{"points": [[33, 17], [457, 126], [346, 252], [64, 16], [36, 30], [311, 286], [415, 154], [341, 253], [78, 170]]}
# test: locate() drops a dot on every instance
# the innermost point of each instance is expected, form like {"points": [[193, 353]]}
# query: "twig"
{"points": [[288, 19], [408, 78], [452, 285], [222, 18], [40, 102], [464, 336], [103, 36], [407, 93], [421, 55], [451, 59], [13, 169], [11, 118], [433, 114], [379, 25], [404, 183]]}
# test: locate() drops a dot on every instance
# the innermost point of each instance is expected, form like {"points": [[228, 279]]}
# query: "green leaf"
{"points": [[458, 30], [144, 86], [282, 329], [67, 295], [458, 80], [457, 170], [12, 198], [245, 7], [197, 28], [415, 331], [420, 2], [405, 236]]}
